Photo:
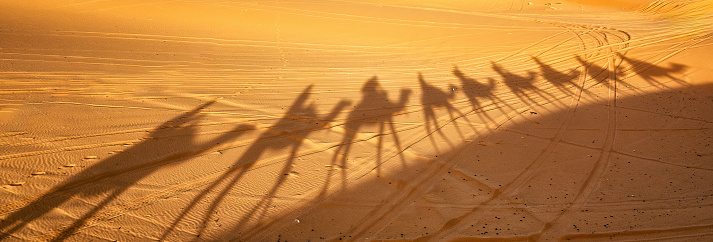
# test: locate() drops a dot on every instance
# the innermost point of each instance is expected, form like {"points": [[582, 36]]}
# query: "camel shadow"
{"points": [[374, 109], [289, 133], [433, 98], [598, 74], [522, 85], [650, 72], [559, 79], [475, 91], [170, 143]]}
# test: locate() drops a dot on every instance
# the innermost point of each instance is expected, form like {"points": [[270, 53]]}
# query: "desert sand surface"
{"points": [[317, 120]]}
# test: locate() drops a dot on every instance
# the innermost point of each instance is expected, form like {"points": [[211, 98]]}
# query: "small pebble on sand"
{"points": [[70, 165], [37, 173], [90, 157]]}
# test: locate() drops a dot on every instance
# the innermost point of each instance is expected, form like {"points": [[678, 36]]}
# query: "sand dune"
{"points": [[356, 120]]}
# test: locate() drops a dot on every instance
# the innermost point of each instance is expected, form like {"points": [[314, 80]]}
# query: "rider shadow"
{"points": [[521, 85], [433, 98], [559, 79], [649, 72], [289, 132], [170, 143], [375, 109]]}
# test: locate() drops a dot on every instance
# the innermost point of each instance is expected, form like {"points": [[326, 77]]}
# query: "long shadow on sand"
{"points": [[562, 81], [170, 143], [374, 109], [476, 92], [289, 132], [433, 98]]}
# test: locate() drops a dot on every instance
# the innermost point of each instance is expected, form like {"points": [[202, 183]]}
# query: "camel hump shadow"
{"points": [[554, 76], [651, 71], [288, 133], [169, 143], [375, 105], [433, 96], [473, 89], [515, 82], [560, 80]]}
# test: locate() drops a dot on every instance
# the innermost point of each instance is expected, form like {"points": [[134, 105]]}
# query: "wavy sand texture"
{"points": [[356, 120]]}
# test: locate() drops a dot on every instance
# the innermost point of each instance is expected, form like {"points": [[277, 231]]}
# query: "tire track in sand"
{"points": [[551, 228]]}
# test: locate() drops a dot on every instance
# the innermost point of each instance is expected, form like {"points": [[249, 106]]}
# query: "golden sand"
{"points": [[356, 120]]}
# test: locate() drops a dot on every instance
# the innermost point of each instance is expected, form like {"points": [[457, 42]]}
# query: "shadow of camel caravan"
{"points": [[176, 140], [473, 189]]}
